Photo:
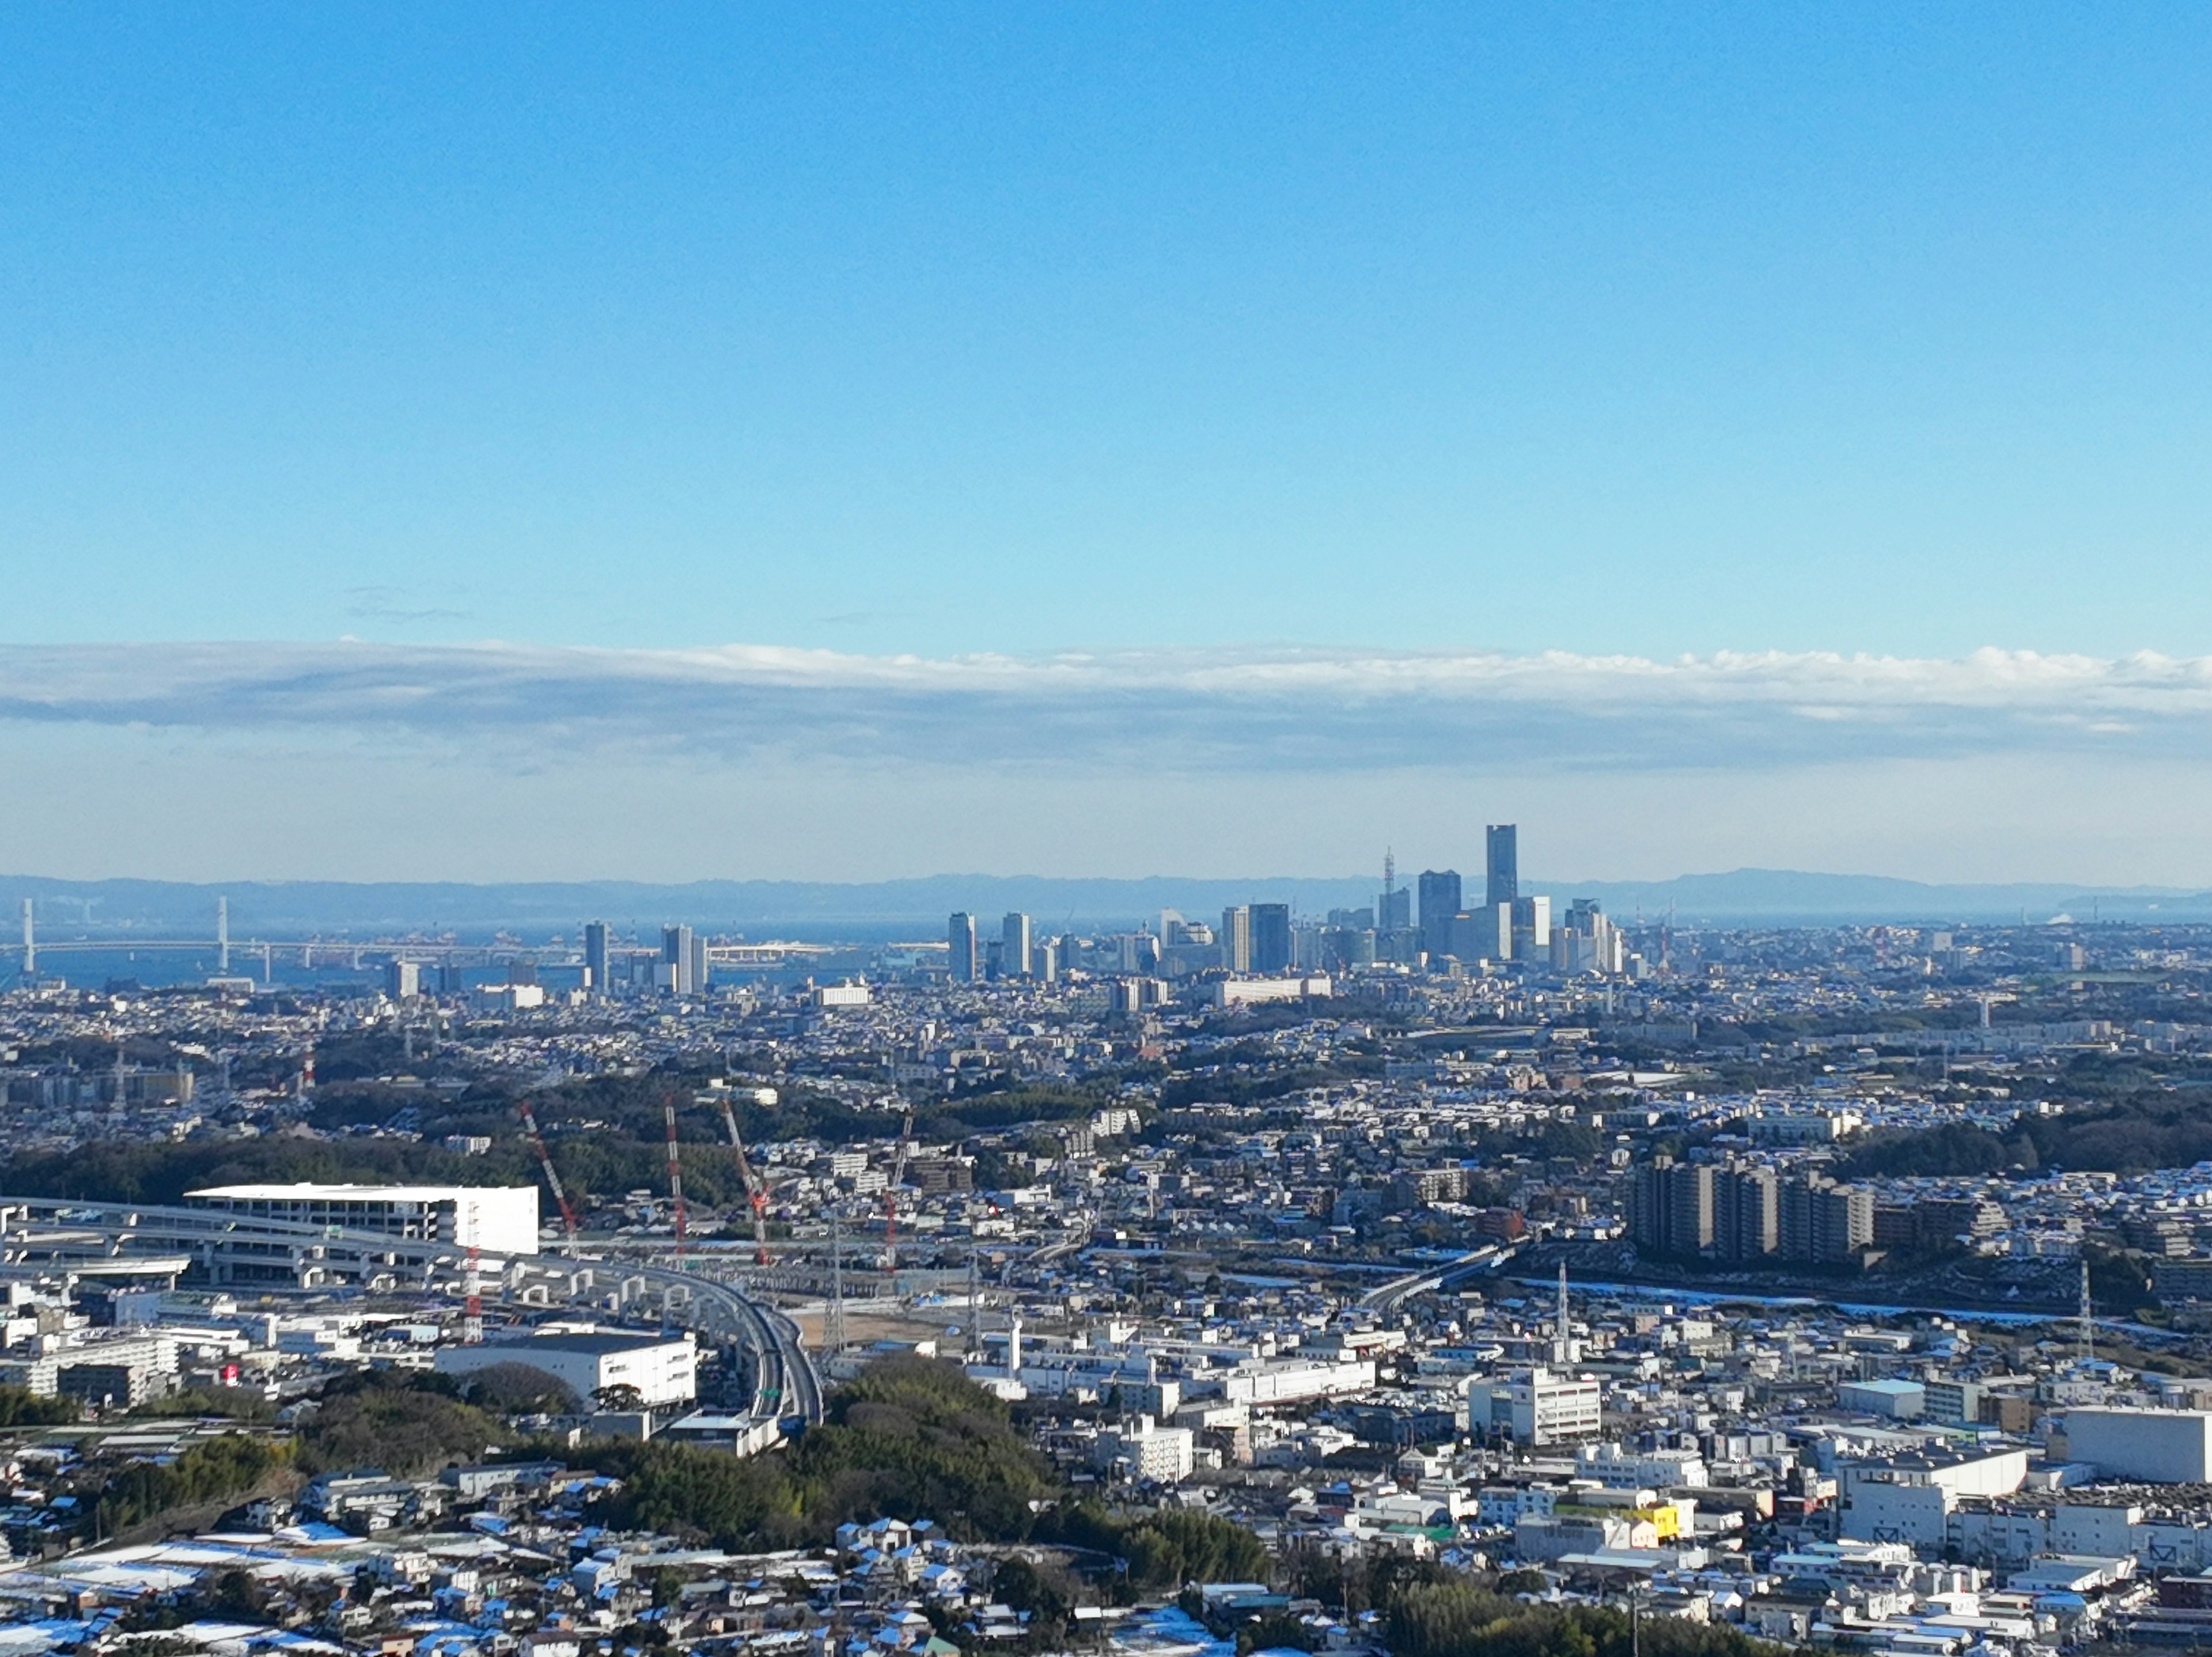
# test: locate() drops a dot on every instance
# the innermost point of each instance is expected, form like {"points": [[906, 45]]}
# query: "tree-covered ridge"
{"points": [[1462, 1619], [906, 1438]]}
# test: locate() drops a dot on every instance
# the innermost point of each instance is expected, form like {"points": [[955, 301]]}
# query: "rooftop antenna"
{"points": [[2088, 1320]]}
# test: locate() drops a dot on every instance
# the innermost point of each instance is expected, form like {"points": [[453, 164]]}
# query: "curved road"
{"points": [[91, 1234]]}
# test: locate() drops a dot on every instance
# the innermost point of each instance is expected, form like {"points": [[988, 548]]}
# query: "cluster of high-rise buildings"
{"points": [[1429, 925], [1748, 1215]]}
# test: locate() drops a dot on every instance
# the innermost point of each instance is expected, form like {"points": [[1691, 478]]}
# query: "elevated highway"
{"points": [[1388, 1298], [73, 1240]]}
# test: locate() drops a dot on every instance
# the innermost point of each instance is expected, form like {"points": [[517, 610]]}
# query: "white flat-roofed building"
{"points": [[1536, 1406], [1152, 1452], [499, 1219], [2158, 1447], [1246, 992], [664, 1369]]}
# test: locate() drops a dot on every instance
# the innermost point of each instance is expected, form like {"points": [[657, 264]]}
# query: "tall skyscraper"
{"points": [[1235, 939], [1271, 937], [595, 956], [1532, 928], [1502, 862], [1014, 949], [960, 933], [676, 951], [1439, 890]]}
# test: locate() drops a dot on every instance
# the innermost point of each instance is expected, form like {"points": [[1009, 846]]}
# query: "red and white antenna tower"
{"points": [[472, 1309]]}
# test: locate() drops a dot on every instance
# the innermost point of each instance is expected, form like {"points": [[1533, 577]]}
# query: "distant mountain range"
{"points": [[885, 909]]}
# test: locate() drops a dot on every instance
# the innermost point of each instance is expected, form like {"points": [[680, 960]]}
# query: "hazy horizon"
{"points": [[450, 444]]}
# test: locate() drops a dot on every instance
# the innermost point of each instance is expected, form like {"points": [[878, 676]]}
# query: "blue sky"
{"points": [[1383, 334]]}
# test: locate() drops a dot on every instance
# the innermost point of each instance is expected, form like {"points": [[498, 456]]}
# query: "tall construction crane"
{"points": [[552, 1180], [676, 1184], [891, 1193], [755, 1193]]}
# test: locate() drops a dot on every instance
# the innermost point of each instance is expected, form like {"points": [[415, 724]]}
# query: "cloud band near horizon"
{"points": [[1246, 709]]}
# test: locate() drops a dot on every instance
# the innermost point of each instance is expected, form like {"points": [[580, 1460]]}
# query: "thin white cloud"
{"points": [[1261, 710]]}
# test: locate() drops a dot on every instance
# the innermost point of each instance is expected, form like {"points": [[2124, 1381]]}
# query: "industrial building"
{"points": [[663, 1369], [2158, 1447]]}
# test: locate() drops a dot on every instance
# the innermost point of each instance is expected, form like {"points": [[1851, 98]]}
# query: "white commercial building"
{"points": [[1899, 1400], [1537, 1406], [1244, 992], [507, 997], [499, 1219], [1618, 1469], [1913, 1496], [2160, 1446], [1149, 1452], [1285, 1381], [663, 1369]]}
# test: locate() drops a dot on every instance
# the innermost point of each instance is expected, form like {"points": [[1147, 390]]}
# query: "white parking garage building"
{"points": [[497, 1219]]}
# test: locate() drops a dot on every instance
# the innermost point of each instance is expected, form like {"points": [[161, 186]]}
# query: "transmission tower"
{"points": [[974, 1304], [833, 1321], [2088, 1320], [676, 1186]]}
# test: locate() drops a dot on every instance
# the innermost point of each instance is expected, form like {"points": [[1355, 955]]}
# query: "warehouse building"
{"points": [[664, 1369], [2158, 1447]]}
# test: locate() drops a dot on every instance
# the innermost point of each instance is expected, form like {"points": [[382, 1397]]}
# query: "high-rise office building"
{"points": [[1532, 929], [595, 956], [1044, 961], [1440, 891], [960, 934], [1502, 862], [1588, 942], [676, 961], [1271, 937], [1235, 939], [1014, 947]]}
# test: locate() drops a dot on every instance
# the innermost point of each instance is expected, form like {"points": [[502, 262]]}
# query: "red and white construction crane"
{"points": [[755, 1193], [552, 1180]]}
